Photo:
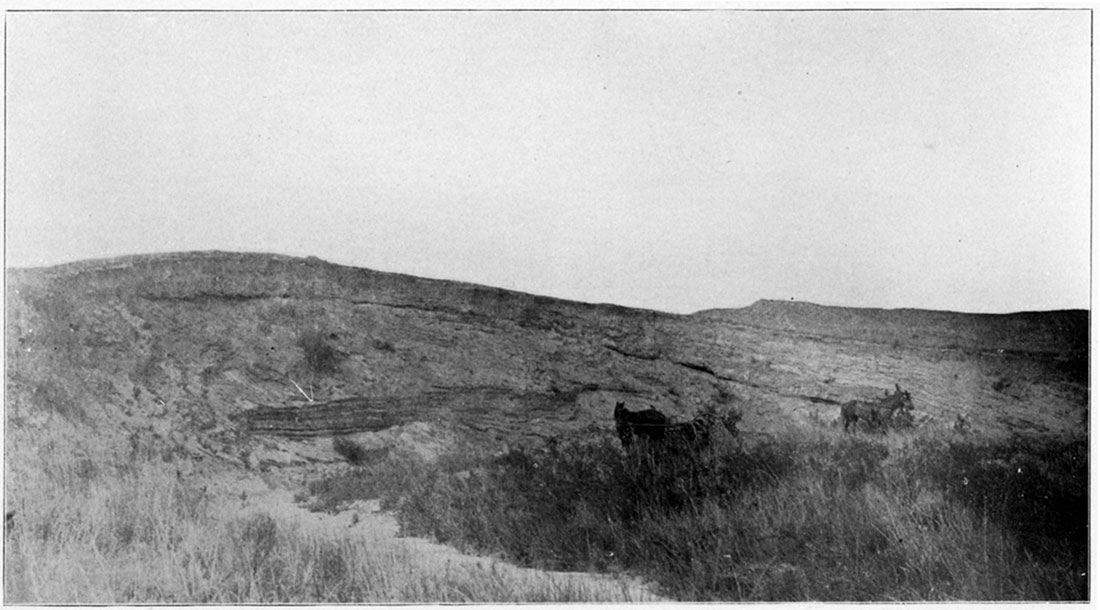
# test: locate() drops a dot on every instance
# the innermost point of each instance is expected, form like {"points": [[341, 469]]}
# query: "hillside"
{"points": [[207, 353], [1059, 334]]}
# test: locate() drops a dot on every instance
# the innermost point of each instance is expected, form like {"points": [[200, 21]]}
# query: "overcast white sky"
{"points": [[670, 160]]}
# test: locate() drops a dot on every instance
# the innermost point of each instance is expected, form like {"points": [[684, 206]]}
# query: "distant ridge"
{"points": [[1046, 331], [185, 274], [210, 262], [763, 309], [773, 306], [773, 310]]}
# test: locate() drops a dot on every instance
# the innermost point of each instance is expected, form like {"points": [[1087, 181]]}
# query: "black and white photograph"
{"points": [[398, 303]]}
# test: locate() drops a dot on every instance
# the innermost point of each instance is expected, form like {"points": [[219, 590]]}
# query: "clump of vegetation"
{"points": [[808, 516], [355, 452], [384, 346], [321, 357], [52, 396]]}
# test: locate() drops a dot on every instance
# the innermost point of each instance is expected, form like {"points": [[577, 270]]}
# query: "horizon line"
{"points": [[90, 264]]}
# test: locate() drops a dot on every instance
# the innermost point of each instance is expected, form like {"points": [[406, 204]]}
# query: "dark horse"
{"points": [[655, 428], [876, 413], [650, 424]]}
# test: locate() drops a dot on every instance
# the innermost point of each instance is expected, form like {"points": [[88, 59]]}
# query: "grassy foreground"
{"points": [[807, 516], [87, 532]]}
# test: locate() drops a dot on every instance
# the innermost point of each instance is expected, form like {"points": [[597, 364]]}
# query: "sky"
{"points": [[673, 160]]}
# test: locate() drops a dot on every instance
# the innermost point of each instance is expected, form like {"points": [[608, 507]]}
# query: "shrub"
{"points": [[384, 346], [52, 396], [356, 453], [321, 357]]}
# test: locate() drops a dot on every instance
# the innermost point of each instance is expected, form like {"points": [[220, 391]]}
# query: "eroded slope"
{"points": [[204, 351]]}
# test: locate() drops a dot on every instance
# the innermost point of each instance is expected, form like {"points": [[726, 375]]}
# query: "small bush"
{"points": [[52, 396], [356, 453], [321, 357], [383, 346]]}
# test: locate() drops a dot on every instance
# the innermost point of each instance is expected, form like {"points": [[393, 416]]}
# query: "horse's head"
{"points": [[622, 424]]}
